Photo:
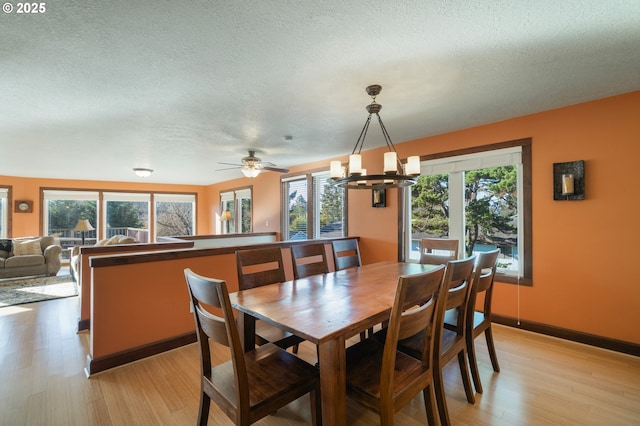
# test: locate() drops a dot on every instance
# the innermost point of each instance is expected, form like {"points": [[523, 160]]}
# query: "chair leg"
{"points": [[430, 405], [316, 412], [473, 363], [295, 348], [492, 350], [203, 413], [466, 380], [441, 398]]}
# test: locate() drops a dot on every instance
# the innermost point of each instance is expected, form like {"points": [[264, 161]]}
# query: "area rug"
{"points": [[36, 289]]}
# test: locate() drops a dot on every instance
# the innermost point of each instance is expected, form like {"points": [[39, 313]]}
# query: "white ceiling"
{"points": [[91, 89]]}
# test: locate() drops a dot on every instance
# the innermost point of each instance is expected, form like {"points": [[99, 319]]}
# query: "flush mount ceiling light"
{"points": [[396, 175], [142, 172]]}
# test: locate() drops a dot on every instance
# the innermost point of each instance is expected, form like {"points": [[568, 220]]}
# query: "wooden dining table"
{"points": [[327, 310]]}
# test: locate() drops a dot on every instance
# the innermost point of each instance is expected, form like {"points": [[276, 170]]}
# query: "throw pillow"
{"points": [[5, 245], [21, 248], [127, 240]]}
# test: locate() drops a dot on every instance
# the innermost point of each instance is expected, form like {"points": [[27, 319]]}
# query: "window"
{"points": [[314, 208], [175, 214], [127, 213], [63, 209], [480, 199], [4, 212], [238, 204]]}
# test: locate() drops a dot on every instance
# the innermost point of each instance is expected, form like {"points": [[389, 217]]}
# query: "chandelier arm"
{"points": [[387, 139], [363, 135]]}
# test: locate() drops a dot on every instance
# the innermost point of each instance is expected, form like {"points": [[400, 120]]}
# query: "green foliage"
{"points": [[331, 204], [64, 214], [490, 205], [132, 214], [297, 212], [430, 205]]}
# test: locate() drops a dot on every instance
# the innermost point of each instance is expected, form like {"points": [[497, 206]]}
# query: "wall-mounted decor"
{"points": [[23, 206], [568, 180], [379, 198]]}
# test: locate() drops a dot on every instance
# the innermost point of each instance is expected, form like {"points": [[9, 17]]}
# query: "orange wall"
{"points": [[28, 224], [583, 251]]}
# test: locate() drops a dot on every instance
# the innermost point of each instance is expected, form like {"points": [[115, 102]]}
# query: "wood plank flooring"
{"points": [[544, 381]]}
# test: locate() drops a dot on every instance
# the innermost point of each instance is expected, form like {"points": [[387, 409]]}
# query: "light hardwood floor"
{"points": [[544, 381]]}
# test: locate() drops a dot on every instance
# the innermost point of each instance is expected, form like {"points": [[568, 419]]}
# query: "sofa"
{"points": [[74, 262], [21, 257]]}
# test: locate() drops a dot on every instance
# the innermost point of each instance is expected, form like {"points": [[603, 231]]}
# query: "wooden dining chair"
{"points": [[258, 267], [379, 376], [449, 343], [479, 322], [309, 259], [438, 251], [346, 254], [251, 385]]}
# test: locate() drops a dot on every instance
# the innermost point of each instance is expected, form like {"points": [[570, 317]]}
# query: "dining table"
{"points": [[327, 310]]}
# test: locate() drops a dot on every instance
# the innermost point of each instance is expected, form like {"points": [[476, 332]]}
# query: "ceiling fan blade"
{"points": [[231, 164], [275, 169], [228, 168]]}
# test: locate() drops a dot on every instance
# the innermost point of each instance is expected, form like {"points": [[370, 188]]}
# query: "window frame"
{"points": [[233, 196], [404, 198], [313, 205], [101, 210], [6, 211]]}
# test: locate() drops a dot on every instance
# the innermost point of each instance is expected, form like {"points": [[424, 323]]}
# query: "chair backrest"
{"points": [[309, 259], [414, 311], [457, 281], [483, 278], [438, 251], [212, 292], [258, 267], [346, 254]]}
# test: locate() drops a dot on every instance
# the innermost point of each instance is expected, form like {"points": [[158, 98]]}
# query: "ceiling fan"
{"points": [[252, 166]]}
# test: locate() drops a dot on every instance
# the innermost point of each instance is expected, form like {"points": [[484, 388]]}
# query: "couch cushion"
{"points": [[2, 262], [113, 240], [102, 242], [4, 254], [24, 260], [21, 248], [5, 245], [127, 240]]}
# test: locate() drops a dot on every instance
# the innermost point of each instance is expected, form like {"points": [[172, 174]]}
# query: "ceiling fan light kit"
{"points": [[252, 166], [395, 174]]}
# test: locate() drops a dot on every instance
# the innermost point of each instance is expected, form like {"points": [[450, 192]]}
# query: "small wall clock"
{"points": [[23, 206]]}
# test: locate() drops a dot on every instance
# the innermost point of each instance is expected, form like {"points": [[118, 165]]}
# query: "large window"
{"points": [[4, 212], [236, 211], [313, 208], [63, 209], [175, 214], [478, 199], [118, 213]]}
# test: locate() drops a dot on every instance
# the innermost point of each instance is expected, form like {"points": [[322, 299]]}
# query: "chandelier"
{"points": [[395, 174]]}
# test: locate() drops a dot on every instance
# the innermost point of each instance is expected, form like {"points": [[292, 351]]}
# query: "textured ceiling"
{"points": [[91, 89]]}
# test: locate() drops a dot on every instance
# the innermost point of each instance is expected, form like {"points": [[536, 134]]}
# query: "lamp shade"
{"points": [[83, 225], [225, 216]]}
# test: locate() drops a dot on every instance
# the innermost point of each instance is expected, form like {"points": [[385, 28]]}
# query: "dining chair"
{"points": [[449, 343], [258, 267], [379, 376], [346, 254], [253, 384], [479, 322], [309, 259], [438, 251]]}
